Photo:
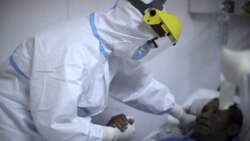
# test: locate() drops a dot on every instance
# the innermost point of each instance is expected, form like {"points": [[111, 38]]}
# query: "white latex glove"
{"points": [[114, 134], [179, 113], [186, 120], [235, 65]]}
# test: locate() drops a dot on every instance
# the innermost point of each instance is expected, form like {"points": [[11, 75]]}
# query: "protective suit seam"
{"points": [[95, 33], [16, 68]]}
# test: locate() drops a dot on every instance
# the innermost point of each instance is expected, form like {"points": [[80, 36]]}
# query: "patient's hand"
{"points": [[120, 121]]}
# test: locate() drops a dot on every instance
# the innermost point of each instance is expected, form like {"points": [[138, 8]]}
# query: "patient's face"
{"points": [[212, 123]]}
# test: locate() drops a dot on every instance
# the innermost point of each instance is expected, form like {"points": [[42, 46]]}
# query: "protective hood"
{"points": [[122, 29]]}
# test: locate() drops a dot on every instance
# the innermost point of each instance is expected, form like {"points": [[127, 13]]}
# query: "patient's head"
{"points": [[217, 125]]}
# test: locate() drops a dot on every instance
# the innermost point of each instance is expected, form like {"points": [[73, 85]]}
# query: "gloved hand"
{"points": [[186, 120], [235, 65], [120, 121], [124, 133]]}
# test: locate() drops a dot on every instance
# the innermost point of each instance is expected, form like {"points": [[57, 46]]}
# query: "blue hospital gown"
{"points": [[179, 139], [189, 139]]}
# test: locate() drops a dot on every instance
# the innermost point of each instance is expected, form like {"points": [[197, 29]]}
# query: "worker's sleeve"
{"points": [[54, 93], [139, 89]]}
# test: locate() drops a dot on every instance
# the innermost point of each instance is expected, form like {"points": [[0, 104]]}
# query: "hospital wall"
{"points": [[190, 65]]}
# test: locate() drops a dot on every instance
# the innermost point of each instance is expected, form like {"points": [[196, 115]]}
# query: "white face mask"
{"points": [[125, 49], [141, 50]]}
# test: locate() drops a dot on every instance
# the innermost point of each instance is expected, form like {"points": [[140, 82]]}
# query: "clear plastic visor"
{"points": [[148, 51]]}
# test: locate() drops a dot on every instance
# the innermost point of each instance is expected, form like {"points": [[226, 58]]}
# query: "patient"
{"points": [[213, 124]]}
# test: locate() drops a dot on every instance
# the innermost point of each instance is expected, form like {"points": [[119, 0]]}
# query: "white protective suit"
{"points": [[56, 80]]}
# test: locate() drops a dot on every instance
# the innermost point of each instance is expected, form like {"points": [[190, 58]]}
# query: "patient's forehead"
{"points": [[213, 103]]}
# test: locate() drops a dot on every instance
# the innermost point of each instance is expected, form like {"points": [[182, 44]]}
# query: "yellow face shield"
{"points": [[164, 24]]}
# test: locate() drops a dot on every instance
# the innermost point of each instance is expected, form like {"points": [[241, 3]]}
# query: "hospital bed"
{"points": [[194, 105]]}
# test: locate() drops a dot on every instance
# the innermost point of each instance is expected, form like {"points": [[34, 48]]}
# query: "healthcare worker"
{"points": [[235, 66], [55, 81]]}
